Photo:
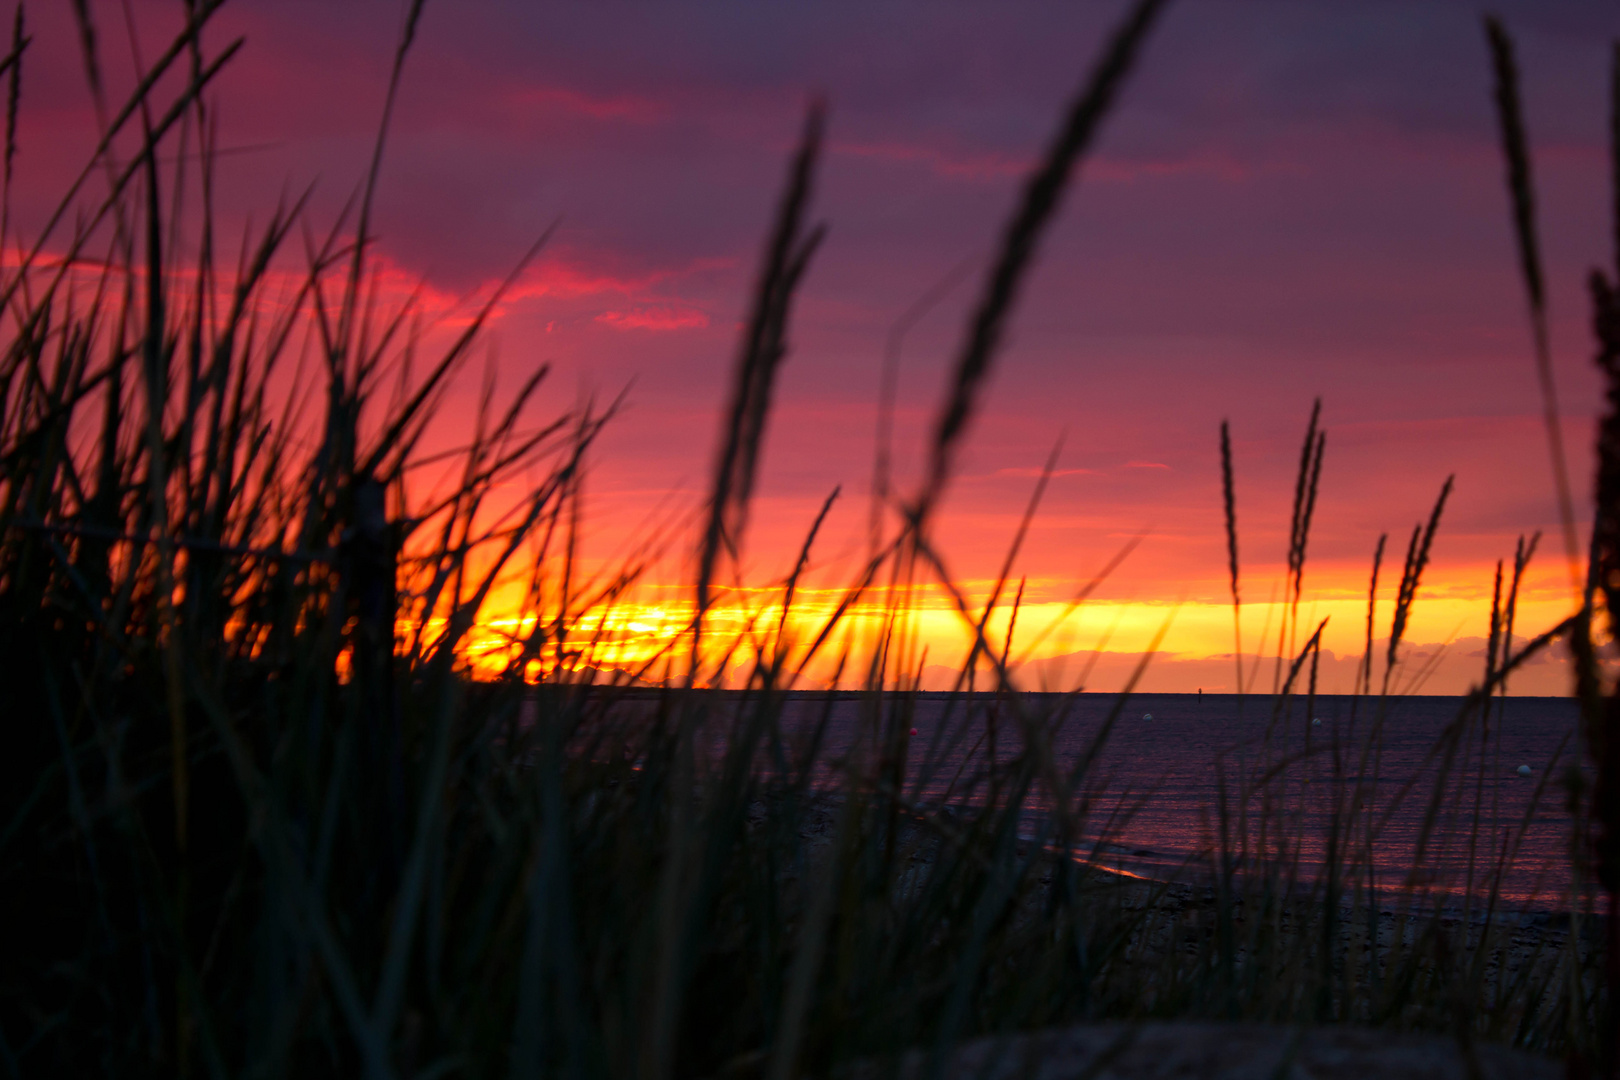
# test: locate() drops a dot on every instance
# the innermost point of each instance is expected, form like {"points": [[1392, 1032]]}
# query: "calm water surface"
{"points": [[1168, 757]]}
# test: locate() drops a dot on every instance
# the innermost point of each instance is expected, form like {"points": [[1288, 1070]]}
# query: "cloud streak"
{"points": [[654, 318]]}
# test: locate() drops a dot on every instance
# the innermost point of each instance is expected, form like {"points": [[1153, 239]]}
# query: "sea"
{"points": [[1446, 808]]}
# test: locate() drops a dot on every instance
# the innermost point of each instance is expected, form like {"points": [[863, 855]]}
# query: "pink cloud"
{"points": [[562, 99], [563, 280], [1146, 465], [568, 282], [1038, 472], [655, 318]]}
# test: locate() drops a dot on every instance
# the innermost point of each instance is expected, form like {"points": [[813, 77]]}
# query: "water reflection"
{"points": [[1435, 804]]}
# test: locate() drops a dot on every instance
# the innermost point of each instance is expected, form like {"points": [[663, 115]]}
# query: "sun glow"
{"points": [[828, 636]]}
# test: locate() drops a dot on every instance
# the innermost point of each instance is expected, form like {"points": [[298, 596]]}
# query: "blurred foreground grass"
{"points": [[260, 820]]}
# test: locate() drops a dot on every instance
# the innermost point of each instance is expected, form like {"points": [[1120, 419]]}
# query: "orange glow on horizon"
{"points": [[646, 636]]}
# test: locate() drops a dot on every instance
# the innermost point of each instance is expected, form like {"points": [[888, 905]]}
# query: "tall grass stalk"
{"points": [[1600, 814]]}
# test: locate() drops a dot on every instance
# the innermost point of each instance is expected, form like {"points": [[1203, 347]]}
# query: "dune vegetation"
{"points": [[262, 816]]}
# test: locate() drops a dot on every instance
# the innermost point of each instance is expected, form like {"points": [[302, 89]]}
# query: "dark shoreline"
{"points": [[645, 692]]}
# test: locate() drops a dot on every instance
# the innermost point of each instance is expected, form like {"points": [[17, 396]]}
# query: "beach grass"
{"points": [[262, 816]]}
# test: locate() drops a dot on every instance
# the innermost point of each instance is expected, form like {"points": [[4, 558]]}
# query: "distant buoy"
{"points": [[1317, 722], [1147, 716], [1524, 770], [914, 731]]}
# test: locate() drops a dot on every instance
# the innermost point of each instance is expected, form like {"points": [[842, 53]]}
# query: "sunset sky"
{"points": [[1293, 199]]}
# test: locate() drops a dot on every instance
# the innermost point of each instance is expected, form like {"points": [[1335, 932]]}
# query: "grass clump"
{"points": [[260, 819]]}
